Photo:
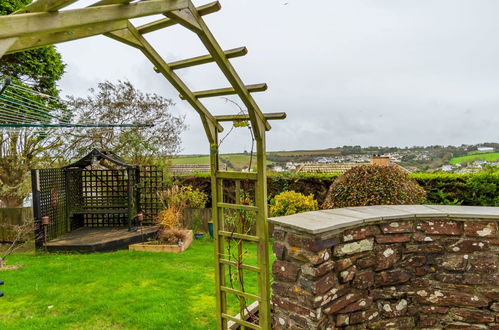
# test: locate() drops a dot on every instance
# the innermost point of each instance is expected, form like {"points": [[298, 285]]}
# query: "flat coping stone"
{"points": [[316, 222]]}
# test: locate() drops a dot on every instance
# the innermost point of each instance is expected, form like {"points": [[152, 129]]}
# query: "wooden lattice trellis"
{"points": [[43, 22]]}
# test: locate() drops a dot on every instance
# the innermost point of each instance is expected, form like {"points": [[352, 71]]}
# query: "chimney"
{"points": [[380, 160]]}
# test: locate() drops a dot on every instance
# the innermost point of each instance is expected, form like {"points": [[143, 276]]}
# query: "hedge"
{"points": [[442, 188]]}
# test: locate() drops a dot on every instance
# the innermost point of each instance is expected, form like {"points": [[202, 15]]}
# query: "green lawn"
{"points": [[118, 290], [488, 156]]}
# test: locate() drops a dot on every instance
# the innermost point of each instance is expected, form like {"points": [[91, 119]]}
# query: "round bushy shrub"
{"points": [[365, 185], [291, 202]]}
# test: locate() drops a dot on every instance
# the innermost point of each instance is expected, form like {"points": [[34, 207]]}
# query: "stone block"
{"points": [[450, 298], [397, 227], [361, 304], [393, 277], [390, 309], [480, 229], [440, 227], [363, 280], [364, 316], [316, 271], [310, 243], [359, 233], [483, 263], [285, 271], [472, 315], [469, 246], [366, 262], [400, 323], [394, 238], [279, 250], [453, 262], [387, 256], [314, 258], [319, 286], [342, 302], [413, 261], [429, 248], [354, 247], [348, 275]]}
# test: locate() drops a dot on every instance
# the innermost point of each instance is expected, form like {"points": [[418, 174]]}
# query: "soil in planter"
{"points": [[171, 236]]}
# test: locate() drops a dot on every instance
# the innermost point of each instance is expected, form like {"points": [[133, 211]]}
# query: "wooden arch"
{"points": [[44, 22]]}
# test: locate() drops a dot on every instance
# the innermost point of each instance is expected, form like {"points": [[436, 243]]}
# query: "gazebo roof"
{"points": [[97, 155]]}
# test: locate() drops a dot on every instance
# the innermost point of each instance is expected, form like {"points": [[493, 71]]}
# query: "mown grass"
{"points": [[118, 290], [488, 156]]}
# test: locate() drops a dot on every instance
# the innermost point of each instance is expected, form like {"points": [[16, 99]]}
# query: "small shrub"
{"points": [[365, 185], [172, 236], [291, 202], [175, 200]]}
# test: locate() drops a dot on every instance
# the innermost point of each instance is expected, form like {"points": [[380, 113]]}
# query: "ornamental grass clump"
{"points": [[175, 200], [291, 202], [366, 185]]}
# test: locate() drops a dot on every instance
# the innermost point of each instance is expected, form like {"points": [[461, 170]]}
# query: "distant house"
{"points": [[485, 149], [179, 169], [340, 168]]}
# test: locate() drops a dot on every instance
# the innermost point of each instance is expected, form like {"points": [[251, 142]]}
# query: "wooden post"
{"points": [[35, 184], [262, 232]]}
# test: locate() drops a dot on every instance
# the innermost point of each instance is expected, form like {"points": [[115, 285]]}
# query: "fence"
{"points": [[12, 216]]}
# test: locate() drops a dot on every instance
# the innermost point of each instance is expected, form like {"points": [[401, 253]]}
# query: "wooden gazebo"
{"points": [[98, 191]]}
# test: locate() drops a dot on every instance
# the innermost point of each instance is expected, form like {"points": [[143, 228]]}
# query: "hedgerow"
{"points": [[441, 188]]}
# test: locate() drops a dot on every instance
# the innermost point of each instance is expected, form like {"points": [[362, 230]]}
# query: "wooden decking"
{"points": [[100, 239]]}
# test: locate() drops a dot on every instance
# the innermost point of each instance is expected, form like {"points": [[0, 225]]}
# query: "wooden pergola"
{"points": [[44, 22]]}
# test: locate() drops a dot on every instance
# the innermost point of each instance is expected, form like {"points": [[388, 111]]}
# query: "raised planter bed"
{"points": [[155, 247]]}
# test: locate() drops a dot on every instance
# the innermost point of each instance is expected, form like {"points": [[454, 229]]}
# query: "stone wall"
{"points": [[387, 268]]}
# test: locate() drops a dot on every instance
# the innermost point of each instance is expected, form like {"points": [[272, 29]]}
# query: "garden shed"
{"points": [[99, 195]]}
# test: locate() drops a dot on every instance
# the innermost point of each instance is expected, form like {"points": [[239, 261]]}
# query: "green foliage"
{"points": [[27, 148], [441, 188], [41, 67], [374, 185], [481, 189], [292, 202]]}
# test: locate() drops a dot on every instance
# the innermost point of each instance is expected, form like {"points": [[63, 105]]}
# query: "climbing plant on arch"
{"points": [[45, 22]]}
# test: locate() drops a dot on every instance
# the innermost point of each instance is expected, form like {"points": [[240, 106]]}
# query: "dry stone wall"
{"points": [[417, 270]]}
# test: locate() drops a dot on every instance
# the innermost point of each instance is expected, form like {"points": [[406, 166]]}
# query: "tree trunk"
{"points": [[12, 201]]}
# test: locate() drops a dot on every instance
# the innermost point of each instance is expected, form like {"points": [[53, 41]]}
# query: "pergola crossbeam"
{"points": [[268, 116], [46, 22], [185, 18], [209, 121], [204, 59], [63, 36], [259, 122], [209, 8], [44, 5], [227, 91]]}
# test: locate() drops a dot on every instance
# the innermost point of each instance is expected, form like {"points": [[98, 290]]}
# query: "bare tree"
{"points": [[122, 103], [21, 234]]}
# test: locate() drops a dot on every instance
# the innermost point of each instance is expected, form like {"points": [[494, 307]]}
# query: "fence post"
{"points": [[35, 185]]}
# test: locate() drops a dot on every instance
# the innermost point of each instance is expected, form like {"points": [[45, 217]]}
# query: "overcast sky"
{"points": [[347, 72]]}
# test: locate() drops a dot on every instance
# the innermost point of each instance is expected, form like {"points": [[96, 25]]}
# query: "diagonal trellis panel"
{"points": [[44, 22]]}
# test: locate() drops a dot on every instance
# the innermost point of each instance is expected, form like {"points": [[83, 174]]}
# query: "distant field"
{"points": [[488, 156], [197, 159]]}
